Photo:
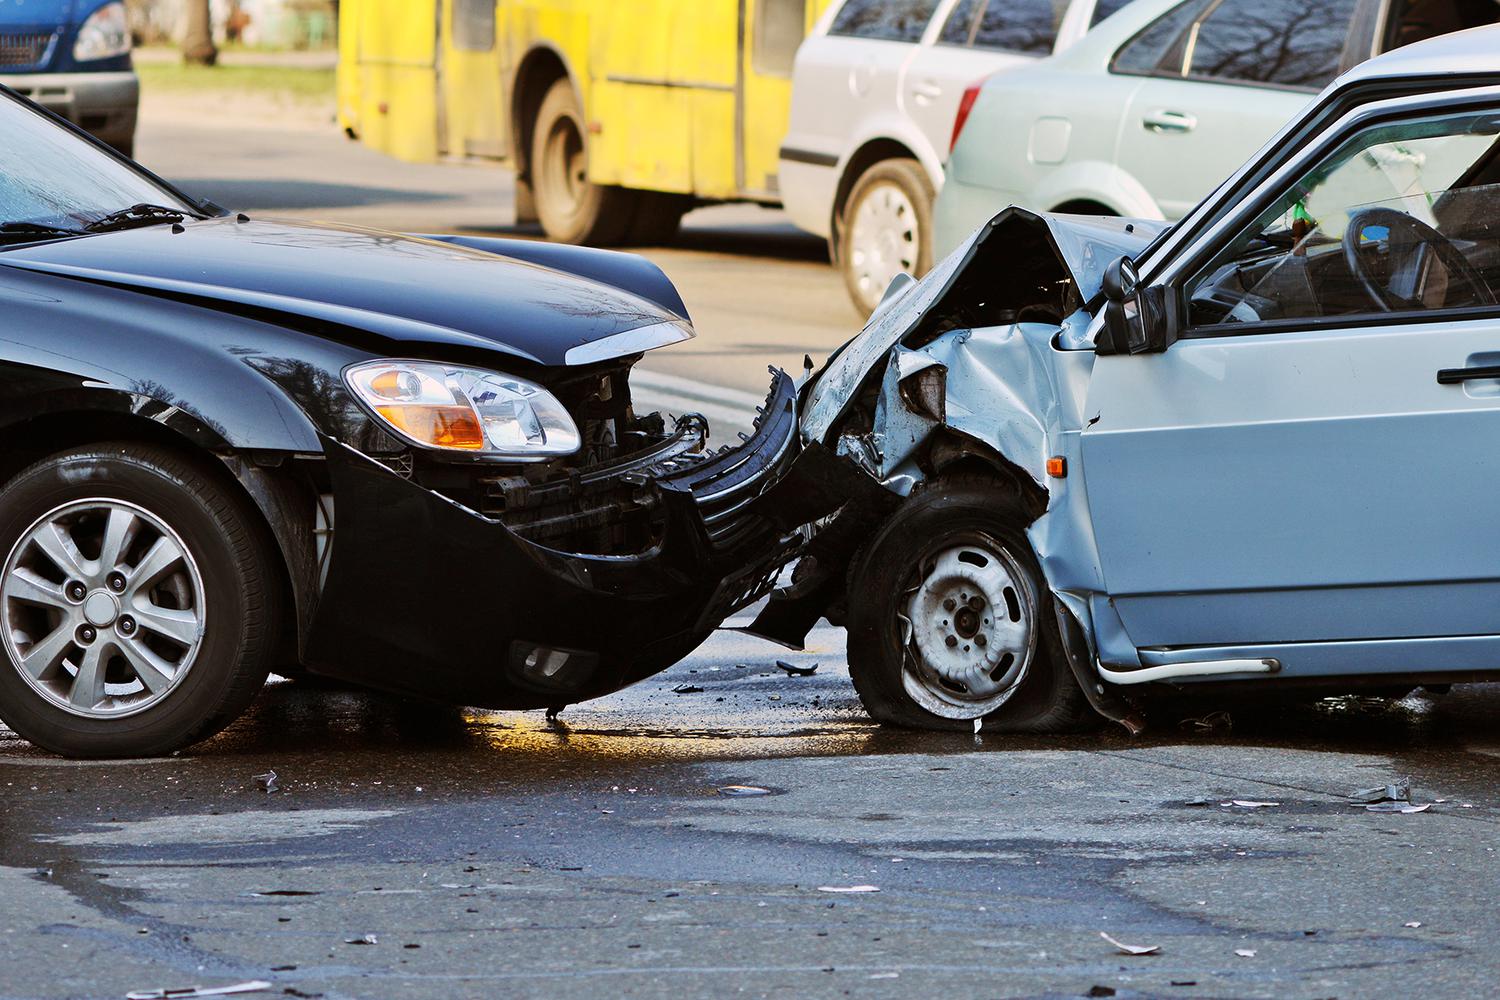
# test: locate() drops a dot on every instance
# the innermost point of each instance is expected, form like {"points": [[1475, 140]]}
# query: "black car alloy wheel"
{"points": [[137, 614]]}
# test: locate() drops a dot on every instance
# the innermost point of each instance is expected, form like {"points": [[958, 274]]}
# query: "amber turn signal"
{"points": [[443, 426], [1057, 467]]}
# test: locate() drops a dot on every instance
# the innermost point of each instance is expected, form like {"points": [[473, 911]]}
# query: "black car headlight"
{"points": [[465, 409]]}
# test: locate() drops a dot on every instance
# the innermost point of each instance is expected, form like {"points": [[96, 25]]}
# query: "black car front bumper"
{"points": [[429, 597]]}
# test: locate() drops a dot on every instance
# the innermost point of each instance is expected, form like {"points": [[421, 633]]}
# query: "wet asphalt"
{"points": [[491, 854]]}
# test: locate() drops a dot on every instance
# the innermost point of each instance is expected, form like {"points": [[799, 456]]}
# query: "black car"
{"points": [[229, 445]]}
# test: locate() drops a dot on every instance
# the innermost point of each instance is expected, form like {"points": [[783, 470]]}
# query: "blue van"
{"points": [[73, 58]]}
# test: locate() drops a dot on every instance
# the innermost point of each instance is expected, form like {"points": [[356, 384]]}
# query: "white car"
{"points": [[875, 90], [1146, 115]]}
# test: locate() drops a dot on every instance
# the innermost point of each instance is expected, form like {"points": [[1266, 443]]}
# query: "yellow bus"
{"points": [[617, 115]]}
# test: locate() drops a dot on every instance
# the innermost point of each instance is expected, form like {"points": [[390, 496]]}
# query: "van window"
{"points": [[1158, 48], [474, 25], [888, 20], [1027, 26], [1288, 43], [779, 25]]}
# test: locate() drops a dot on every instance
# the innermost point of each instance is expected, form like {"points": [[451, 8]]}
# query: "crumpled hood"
{"points": [[406, 289], [1083, 246]]}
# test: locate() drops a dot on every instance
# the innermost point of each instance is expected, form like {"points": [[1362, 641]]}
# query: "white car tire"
{"points": [[885, 230]]}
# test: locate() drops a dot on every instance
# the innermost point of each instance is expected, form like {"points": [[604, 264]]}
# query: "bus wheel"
{"points": [[571, 209]]}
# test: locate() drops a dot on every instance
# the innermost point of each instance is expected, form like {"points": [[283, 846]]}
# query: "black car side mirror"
{"points": [[1136, 319]]}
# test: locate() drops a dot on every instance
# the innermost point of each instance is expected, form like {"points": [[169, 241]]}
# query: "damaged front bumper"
{"points": [[430, 597]]}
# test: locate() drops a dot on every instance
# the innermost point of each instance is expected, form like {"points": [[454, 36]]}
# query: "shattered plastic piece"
{"points": [[743, 791], [977, 723], [848, 888], [1387, 793], [1252, 804], [1213, 722], [255, 986], [1245, 952], [367, 939], [1397, 807], [1412, 923], [687, 689], [794, 671], [268, 781], [1132, 949]]}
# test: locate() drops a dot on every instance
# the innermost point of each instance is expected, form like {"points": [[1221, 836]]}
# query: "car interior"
{"points": [[1403, 217]]}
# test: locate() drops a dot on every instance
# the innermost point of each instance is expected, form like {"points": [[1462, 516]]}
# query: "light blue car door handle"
{"points": [[1169, 121]]}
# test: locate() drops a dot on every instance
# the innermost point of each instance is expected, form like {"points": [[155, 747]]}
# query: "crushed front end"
{"points": [[545, 584]]}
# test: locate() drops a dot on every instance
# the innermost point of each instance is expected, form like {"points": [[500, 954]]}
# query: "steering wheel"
{"points": [[1413, 245]]}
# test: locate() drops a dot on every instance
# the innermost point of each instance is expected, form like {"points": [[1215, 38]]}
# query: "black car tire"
{"points": [[906, 177], [571, 208], [241, 599], [1045, 700]]}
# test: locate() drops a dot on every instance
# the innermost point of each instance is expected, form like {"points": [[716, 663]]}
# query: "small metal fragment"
{"points": [[1132, 949], [742, 791]]}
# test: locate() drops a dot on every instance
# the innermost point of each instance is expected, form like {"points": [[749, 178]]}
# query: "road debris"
{"points": [[1213, 722], [1412, 923], [742, 791], [268, 782], [1397, 807], [1386, 793], [1132, 949], [367, 939], [687, 689], [1251, 804], [255, 986], [1245, 952], [283, 892], [1100, 991], [793, 671], [848, 888]]}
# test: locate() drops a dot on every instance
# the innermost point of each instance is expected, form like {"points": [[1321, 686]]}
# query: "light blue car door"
{"points": [[1295, 469]]}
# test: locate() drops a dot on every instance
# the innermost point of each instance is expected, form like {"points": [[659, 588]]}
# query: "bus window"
{"points": [[779, 26], [474, 25]]}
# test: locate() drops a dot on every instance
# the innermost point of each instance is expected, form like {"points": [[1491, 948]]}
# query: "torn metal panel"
{"points": [[1019, 267]]}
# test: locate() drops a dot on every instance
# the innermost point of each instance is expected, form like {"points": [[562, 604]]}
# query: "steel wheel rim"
{"points": [[968, 628], [102, 608], [885, 239], [565, 170]]}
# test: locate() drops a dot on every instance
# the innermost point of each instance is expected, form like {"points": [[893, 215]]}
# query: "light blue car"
{"points": [[1083, 457]]}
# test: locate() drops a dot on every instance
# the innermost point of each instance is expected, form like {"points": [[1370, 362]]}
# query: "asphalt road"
{"points": [[490, 854]]}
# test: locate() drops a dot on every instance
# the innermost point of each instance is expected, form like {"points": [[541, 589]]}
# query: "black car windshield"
{"points": [[50, 177]]}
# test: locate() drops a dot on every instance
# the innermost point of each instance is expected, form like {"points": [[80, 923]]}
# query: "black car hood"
{"points": [[403, 288]]}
